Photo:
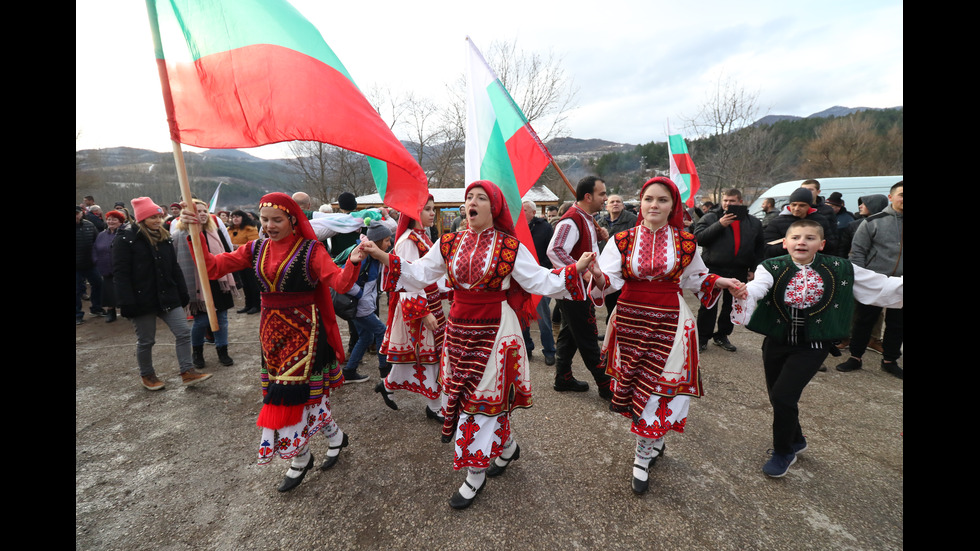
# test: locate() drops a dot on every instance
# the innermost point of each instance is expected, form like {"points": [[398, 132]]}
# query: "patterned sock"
{"points": [[435, 404], [336, 439], [646, 450], [509, 448], [476, 478], [300, 461]]}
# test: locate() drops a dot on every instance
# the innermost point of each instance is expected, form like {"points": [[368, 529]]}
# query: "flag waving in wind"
{"points": [[501, 146], [244, 73], [682, 170]]}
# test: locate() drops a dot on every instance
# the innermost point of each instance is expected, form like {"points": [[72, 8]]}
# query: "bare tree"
{"points": [[729, 152], [852, 146], [538, 83], [327, 171]]}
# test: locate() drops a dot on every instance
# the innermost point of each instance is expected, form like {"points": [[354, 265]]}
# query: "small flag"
{"points": [[682, 169]]}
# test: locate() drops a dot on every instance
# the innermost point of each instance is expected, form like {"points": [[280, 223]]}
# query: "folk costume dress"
{"points": [[413, 350], [297, 330], [651, 346], [484, 365]]}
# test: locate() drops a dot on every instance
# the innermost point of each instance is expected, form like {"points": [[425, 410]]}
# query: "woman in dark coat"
{"points": [[149, 285]]}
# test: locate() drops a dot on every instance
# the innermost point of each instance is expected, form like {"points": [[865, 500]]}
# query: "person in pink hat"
{"points": [[150, 285]]}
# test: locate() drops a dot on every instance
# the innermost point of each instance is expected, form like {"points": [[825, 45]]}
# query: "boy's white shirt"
{"points": [[869, 288]]}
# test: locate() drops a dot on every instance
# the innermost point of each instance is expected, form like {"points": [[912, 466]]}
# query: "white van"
{"points": [[850, 188]]}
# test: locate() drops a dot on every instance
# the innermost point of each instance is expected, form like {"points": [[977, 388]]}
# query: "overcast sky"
{"points": [[636, 63]]}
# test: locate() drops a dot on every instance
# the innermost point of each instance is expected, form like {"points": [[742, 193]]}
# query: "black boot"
{"points": [[110, 315], [223, 356], [198, 356]]}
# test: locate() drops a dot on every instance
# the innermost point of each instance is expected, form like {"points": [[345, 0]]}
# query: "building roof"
{"points": [[455, 196]]}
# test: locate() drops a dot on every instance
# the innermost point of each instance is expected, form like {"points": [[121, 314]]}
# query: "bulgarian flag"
{"points": [[501, 146], [682, 170], [244, 73]]}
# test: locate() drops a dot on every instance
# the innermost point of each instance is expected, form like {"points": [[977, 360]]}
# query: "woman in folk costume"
{"points": [[651, 345], [416, 323], [484, 364], [301, 344]]}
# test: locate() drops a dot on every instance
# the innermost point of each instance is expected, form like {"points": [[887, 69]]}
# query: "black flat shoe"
{"points": [[331, 461], [497, 470], [385, 395], [460, 502], [640, 486], [434, 415], [288, 482]]}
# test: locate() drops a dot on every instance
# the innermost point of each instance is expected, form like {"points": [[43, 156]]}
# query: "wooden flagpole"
{"points": [[202, 270], [185, 188]]}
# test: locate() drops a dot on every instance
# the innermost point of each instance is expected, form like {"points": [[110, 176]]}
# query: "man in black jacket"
{"points": [[800, 206], [731, 247], [85, 233]]}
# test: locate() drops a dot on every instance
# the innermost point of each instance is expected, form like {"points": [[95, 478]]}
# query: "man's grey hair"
{"points": [[533, 206]]}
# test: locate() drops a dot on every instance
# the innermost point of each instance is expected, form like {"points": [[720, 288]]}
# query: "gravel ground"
{"points": [[176, 469]]}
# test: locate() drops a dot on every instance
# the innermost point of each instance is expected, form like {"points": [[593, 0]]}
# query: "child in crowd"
{"points": [[370, 330], [801, 302]]}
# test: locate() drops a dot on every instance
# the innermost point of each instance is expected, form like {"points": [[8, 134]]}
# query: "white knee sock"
{"points": [[476, 478], [300, 461]]}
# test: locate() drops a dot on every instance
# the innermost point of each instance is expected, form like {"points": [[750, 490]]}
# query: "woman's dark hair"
{"points": [[246, 219]]}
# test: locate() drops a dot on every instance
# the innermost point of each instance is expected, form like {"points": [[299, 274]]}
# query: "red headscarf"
{"points": [[676, 218], [502, 220], [404, 219], [285, 203], [518, 299]]}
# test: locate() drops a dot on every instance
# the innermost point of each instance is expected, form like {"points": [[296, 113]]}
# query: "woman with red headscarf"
{"points": [[484, 364], [301, 346], [651, 345], [416, 323]]}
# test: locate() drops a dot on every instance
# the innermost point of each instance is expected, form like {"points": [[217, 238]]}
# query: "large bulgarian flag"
{"points": [[501, 146], [682, 169], [244, 73]]}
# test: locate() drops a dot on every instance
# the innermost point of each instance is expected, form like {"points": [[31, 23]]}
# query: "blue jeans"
{"points": [[201, 325], [369, 330], [544, 325]]}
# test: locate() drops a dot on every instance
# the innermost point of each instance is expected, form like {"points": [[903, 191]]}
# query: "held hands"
{"points": [[357, 255], [584, 262], [368, 247], [738, 289]]}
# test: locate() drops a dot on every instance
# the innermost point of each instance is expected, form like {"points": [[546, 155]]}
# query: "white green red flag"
{"points": [[244, 73], [501, 146], [682, 169]]}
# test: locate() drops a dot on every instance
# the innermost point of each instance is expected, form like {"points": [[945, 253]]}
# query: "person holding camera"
{"points": [[732, 246]]}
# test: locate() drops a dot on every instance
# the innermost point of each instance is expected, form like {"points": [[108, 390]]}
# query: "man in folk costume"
{"points": [[575, 234]]}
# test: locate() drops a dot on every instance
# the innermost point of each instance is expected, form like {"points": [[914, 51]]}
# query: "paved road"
{"points": [[176, 469]]}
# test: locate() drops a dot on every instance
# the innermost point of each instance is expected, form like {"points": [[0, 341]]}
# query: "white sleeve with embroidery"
{"points": [[537, 280], [877, 289], [416, 276], [742, 309], [560, 247]]}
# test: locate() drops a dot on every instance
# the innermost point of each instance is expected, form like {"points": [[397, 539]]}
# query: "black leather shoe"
{"points": [[331, 461], [497, 470], [549, 360], [253, 310], [288, 483], [571, 384], [641, 486], [605, 392], [434, 415], [242, 311], [460, 502], [724, 343], [385, 395]]}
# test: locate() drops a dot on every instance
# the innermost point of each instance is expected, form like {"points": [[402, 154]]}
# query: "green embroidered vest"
{"points": [[829, 319]]}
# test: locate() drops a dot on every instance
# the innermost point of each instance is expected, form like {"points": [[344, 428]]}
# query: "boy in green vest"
{"points": [[802, 302]]}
